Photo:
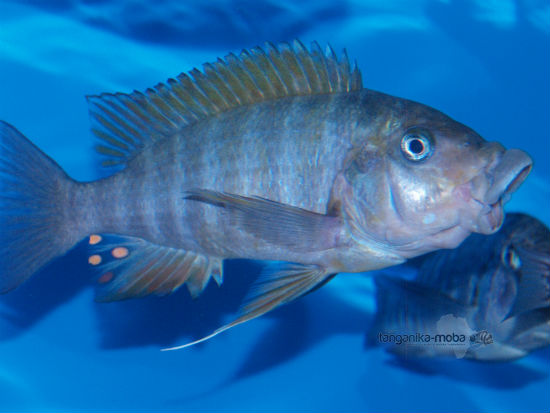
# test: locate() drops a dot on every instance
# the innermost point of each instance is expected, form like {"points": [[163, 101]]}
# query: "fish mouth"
{"points": [[505, 178]]}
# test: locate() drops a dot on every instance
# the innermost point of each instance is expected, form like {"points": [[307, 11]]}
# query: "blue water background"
{"points": [[485, 63]]}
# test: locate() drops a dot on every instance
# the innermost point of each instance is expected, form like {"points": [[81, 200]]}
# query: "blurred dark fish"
{"points": [[277, 154], [493, 290]]}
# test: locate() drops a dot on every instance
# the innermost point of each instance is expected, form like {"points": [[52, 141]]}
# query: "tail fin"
{"points": [[33, 225]]}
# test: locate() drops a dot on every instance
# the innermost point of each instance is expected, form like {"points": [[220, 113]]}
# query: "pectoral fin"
{"points": [[279, 284], [131, 267], [274, 222]]}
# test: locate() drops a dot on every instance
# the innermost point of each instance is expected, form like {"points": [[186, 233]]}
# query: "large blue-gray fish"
{"points": [[494, 291], [276, 154]]}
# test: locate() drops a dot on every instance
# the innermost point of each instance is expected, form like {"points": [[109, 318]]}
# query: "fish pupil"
{"points": [[416, 146]]}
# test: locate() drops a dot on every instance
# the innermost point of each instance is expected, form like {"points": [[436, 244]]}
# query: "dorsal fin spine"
{"points": [[217, 81], [264, 87], [155, 103], [107, 138], [158, 99], [279, 70], [136, 103], [270, 72], [191, 111], [209, 92], [296, 75], [250, 88], [177, 109], [111, 126], [307, 65], [234, 85], [318, 57], [145, 114], [190, 94], [331, 63], [286, 81], [299, 72], [141, 107], [357, 80], [344, 70], [119, 143], [149, 103], [133, 112], [121, 117]]}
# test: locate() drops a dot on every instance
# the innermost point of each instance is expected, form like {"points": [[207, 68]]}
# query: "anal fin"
{"points": [[279, 284], [131, 267]]}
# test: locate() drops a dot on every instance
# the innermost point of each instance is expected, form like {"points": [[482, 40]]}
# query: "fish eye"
{"points": [[417, 145], [510, 258]]}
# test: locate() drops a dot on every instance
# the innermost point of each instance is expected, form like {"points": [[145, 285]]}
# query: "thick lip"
{"points": [[507, 176]]}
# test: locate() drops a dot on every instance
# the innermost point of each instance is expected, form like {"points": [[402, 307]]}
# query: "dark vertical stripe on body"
{"points": [[174, 215]]}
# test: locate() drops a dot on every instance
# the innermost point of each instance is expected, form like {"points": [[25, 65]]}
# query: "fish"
{"points": [[488, 299], [276, 154]]}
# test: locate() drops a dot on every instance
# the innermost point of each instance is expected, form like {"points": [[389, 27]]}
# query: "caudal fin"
{"points": [[33, 222]]}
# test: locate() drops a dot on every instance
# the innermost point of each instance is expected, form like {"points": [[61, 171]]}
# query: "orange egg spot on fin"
{"points": [[95, 239], [120, 252], [105, 278], [94, 259]]}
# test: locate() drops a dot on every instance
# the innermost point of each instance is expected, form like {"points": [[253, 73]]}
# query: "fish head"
{"points": [[418, 181], [524, 252], [516, 279]]}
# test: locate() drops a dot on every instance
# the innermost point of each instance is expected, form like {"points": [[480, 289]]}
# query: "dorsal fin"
{"points": [[125, 123]]}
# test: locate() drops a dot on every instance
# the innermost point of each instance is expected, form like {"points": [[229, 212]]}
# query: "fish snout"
{"points": [[504, 173], [508, 175]]}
